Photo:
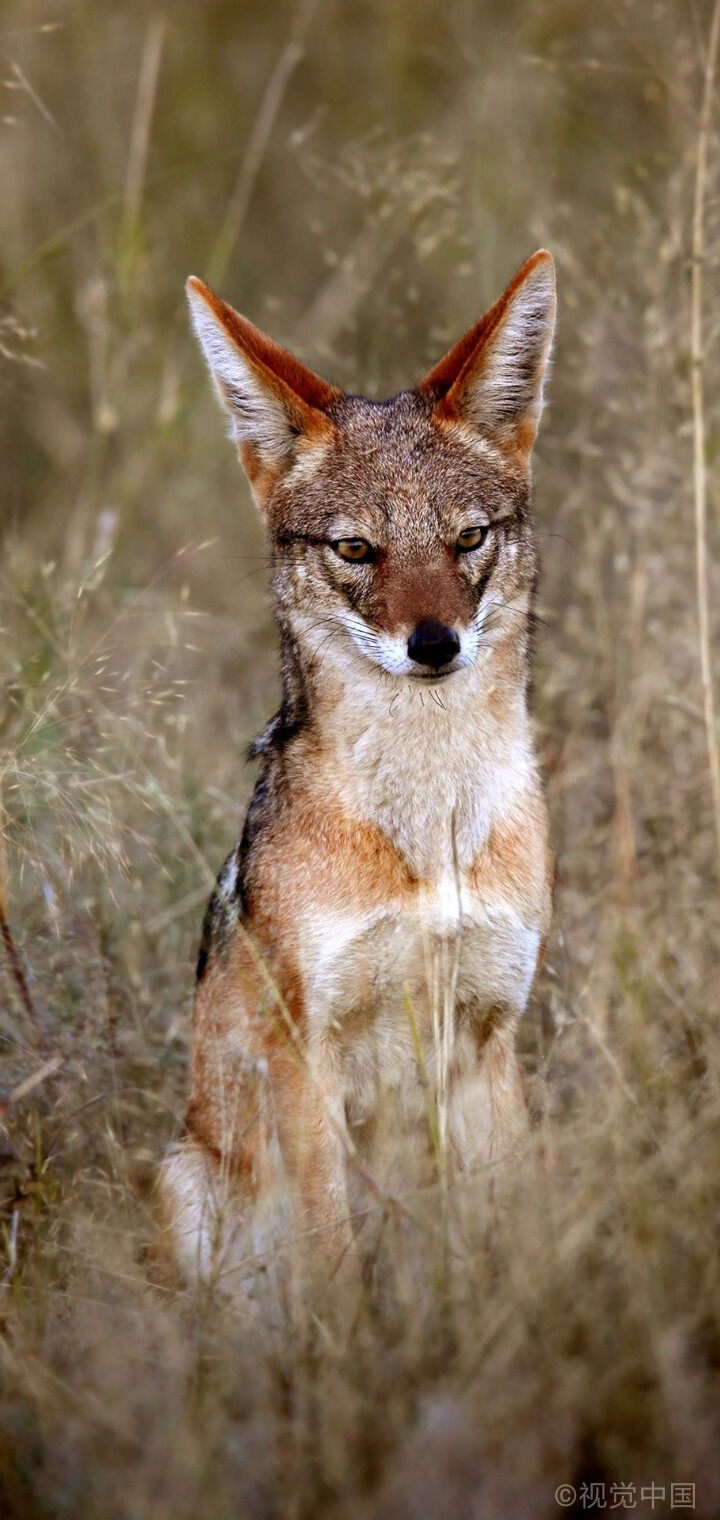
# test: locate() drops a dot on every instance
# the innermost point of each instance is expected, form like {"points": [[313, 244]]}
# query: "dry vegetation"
{"points": [[361, 179]]}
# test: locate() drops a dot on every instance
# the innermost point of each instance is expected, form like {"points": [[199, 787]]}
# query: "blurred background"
{"points": [[361, 179]]}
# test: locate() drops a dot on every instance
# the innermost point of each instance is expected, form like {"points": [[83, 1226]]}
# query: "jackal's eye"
{"points": [[470, 538], [357, 550]]}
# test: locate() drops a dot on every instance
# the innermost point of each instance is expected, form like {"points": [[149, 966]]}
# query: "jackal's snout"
{"points": [[432, 644]]}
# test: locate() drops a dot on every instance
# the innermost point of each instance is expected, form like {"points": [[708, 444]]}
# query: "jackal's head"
{"points": [[400, 530]]}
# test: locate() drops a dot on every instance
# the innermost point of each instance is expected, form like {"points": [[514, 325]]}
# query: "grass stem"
{"points": [[699, 413]]}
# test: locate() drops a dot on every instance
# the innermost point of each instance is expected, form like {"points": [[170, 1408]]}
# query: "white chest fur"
{"points": [[435, 771], [364, 963], [434, 766], [442, 966]]}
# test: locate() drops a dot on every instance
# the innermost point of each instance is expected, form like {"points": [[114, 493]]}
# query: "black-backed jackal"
{"points": [[392, 884]]}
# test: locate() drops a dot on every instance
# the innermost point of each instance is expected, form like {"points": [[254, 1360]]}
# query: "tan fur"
{"points": [[395, 867]]}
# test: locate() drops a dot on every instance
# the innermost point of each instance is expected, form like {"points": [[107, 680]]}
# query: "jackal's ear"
{"points": [[276, 406], [493, 378]]}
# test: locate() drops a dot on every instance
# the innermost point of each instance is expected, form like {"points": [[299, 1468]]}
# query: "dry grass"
{"points": [[367, 199]]}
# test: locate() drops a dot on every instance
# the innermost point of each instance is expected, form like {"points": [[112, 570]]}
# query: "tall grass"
{"points": [[364, 178]]}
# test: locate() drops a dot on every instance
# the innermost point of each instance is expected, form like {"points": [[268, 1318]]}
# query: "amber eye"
{"points": [[357, 550], [470, 538]]}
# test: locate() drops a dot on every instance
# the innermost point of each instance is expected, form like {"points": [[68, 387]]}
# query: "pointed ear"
{"points": [[276, 406], [493, 378]]}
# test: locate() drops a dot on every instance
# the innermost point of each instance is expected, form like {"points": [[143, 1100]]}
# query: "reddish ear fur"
{"points": [[512, 339], [302, 382], [276, 404], [491, 380]]}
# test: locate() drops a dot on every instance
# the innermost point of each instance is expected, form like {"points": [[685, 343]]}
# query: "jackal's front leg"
{"points": [[488, 1114], [315, 1150]]}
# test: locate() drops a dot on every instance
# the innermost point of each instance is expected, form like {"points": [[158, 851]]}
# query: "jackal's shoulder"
{"points": [[229, 902]]}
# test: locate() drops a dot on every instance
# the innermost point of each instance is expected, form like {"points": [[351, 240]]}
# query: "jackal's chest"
{"points": [[379, 983], [366, 966]]}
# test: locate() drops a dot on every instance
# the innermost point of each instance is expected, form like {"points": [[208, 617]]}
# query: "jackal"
{"points": [[379, 924]]}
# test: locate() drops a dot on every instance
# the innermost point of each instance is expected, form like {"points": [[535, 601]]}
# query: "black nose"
{"points": [[433, 644]]}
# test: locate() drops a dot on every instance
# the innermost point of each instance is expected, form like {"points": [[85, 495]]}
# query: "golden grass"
{"points": [[560, 1324]]}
